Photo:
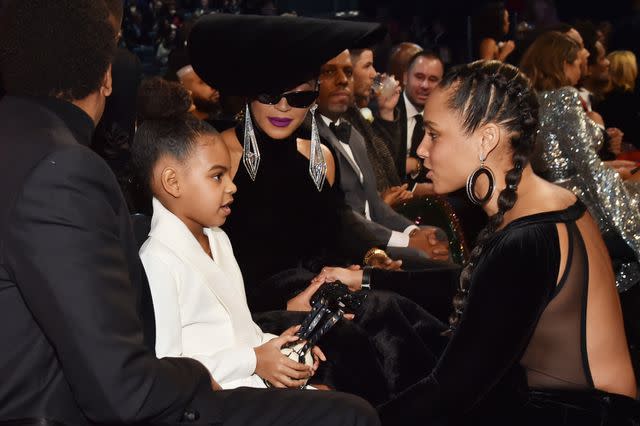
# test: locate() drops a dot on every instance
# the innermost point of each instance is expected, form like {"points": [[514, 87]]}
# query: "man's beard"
{"points": [[206, 105]]}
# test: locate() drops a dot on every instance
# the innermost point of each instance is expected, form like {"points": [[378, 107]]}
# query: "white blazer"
{"points": [[200, 304]]}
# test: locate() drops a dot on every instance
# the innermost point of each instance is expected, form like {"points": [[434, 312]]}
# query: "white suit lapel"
{"points": [[221, 274]]}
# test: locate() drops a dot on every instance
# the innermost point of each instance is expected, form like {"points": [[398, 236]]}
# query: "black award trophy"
{"points": [[328, 305]]}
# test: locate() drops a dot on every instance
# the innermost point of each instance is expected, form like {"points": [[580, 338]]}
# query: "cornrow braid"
{"points": [[492, 92]]}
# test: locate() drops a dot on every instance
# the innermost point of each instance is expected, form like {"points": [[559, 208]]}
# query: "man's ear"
{"points": [[107, 84], [404, 79], [170, 182]]}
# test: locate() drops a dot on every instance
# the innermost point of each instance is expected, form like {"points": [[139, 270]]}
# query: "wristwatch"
{"points": [[366, 278]]}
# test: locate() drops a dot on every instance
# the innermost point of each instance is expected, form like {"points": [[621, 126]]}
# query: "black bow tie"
{"points": [[342, 131]]}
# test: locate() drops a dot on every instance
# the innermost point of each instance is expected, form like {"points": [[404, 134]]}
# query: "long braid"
{"points": [[485, 92]]}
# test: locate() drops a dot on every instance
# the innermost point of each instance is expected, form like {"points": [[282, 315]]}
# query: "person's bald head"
{"points": [[400, 57]]}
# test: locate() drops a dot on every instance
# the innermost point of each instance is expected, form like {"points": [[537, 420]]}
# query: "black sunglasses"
{"points": [[302, 99]]}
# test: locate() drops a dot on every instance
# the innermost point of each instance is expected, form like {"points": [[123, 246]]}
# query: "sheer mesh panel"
{"points": [[556, 355]]}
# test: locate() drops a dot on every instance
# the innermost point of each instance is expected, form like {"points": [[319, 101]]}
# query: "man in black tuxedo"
{"points": [[424, 72], [402, 239], [76, 316]]}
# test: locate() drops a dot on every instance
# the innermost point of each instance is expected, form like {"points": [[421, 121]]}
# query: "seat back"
{"points": [[141, 227]]}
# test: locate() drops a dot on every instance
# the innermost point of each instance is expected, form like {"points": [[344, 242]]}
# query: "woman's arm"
{"points": [[488, 49]]}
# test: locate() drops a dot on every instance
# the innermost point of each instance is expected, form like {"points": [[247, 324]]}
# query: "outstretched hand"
{"points": [[302, 302], [351, 277]]}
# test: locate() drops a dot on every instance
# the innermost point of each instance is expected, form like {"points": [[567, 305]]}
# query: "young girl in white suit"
{"points": [[198, 293]]}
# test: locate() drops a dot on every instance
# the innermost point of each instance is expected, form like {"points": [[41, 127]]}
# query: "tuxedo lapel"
{"points": [[221, 274], [327, 134], [359, 149]]}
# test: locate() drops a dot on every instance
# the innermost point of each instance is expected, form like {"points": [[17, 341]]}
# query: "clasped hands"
{"points": [[426, 239]]}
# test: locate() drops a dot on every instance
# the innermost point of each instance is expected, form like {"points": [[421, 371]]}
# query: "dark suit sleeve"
{"points": [[387, 216], [392, 135], [378, 235], [390, 130], [65, 253], [509, 291]]}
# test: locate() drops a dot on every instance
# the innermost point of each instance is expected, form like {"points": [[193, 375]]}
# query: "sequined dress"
{"points": [[568, 142]]}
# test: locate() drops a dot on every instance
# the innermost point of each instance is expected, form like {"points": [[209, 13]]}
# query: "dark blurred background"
{"points": [[152, 28]]}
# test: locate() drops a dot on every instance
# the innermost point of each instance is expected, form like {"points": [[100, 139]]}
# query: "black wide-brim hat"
{"points": [[247, 55]]}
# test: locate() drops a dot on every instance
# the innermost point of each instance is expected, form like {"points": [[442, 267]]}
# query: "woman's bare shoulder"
{"points": [[231, 140], [235, 148], [545, 197]]}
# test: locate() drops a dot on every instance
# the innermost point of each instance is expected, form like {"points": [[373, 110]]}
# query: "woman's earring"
{"points": [[250, 152], [317, 164], [473, 178]]}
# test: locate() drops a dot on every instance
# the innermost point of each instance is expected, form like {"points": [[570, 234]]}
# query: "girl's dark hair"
{"points": [[493, 92], [167, 126]]}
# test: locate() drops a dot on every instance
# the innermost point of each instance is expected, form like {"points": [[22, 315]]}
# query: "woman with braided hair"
{"points": [[536, 336]]}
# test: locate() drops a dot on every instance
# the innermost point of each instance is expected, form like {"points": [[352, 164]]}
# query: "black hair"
{"points": [[424, 54], [493, 92], [589, 35], [167, 126], [488, 21], [60, 48], [116, 9], [355, 54]]}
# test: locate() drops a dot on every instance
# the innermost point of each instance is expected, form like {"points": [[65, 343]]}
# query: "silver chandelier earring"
{"points": [[473, 178], [317, 163], [250, 152]]}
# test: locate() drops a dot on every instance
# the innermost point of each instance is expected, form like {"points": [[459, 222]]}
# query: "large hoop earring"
{"points": [[250, 152], [473, 178]]}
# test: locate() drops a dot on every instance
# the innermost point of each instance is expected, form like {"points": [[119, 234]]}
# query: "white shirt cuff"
{"points": [[398, 239], [410, 228]]}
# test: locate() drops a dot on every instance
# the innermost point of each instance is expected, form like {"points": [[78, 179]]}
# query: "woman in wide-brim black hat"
{"points": [[289, 217]]}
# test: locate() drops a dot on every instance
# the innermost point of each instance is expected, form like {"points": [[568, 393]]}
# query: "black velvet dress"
{"points": [[519, 354], [283, 231]]}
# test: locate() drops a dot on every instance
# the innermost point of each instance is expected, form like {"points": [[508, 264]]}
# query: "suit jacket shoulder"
{"points": [[75, 287]]}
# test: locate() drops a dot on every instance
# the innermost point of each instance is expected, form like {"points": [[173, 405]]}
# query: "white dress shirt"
{"points": [[411, 120], [347, 148]]}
